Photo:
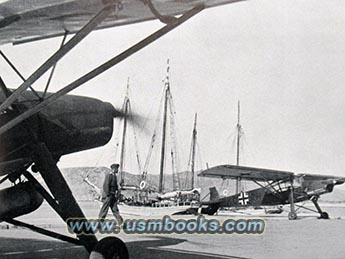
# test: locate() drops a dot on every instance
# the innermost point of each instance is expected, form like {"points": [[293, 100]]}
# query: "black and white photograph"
{"points": [[194, 129]]}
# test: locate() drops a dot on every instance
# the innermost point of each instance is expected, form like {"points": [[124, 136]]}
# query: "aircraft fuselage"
{"points": [[267, 196]]}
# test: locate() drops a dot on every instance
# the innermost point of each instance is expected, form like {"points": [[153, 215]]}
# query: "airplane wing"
{"points": [[246, 173], [28, 20], [311, 177]]}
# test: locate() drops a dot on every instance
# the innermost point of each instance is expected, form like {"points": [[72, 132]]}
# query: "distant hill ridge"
{"points": [[82, 191], [75, 177]]}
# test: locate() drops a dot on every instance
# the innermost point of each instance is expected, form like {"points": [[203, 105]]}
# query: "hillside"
{"points": [[82, 191]]}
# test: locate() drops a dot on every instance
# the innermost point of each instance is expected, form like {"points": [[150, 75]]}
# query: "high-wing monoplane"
{"points": [[276, 188], [37, 128]]}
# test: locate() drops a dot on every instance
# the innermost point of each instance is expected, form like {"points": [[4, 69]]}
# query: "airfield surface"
{"points": [[307, 237]]}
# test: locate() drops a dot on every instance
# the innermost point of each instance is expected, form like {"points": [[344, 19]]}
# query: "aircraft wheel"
{"points": [[324, 215], [110, 248], [292, 215]]}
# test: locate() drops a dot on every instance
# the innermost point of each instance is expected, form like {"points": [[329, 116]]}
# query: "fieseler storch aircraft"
{"points": [[37, 128], [276, 188]]}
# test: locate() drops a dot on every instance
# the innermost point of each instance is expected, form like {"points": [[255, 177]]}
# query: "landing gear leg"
{"points": [[65, 202], [292, 214], [323, 214], [67, 207]]}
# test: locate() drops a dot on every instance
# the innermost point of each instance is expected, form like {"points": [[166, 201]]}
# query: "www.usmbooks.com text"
{"points": [[167, 225]]}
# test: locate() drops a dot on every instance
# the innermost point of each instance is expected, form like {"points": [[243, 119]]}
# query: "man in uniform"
{"points": [[111, 195]]}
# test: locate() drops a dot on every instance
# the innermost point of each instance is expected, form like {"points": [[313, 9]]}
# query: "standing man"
{"points": [[111, 195]]}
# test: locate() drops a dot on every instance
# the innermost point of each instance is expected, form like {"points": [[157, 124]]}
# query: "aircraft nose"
{"points": [[116, 113], [133, 118]]}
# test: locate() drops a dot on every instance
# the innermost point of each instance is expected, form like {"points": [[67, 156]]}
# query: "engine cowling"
{"points": [[19, 200]]}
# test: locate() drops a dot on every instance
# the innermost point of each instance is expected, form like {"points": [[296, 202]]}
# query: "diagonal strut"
{"points": [[99, 70], [78, 37]]}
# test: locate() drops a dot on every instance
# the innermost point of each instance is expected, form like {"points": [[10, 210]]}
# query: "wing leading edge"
{"points": [[246, 173], [260, 174], [29, 20]]}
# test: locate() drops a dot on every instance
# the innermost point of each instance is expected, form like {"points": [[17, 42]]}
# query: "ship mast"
{"points": [[239, 130], [126, 108], [193, 150], [166, 96]]}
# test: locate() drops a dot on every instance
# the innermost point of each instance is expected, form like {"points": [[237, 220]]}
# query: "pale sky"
{"points": [[284, 60]]}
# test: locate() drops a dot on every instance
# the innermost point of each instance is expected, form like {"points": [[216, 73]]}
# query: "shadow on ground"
{"points": [[159, 247], [16, 248]]}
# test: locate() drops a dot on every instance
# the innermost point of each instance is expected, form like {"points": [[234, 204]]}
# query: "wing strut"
{"points": [[99, 70], [78, 37], [54, 67], [274, 193], [4, 179], [17, 72]]}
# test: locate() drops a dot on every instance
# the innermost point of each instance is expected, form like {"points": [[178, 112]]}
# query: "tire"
{"points": [[292, 216], [324, 215], [110, 248]]}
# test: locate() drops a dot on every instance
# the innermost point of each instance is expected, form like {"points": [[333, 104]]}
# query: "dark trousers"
{"points": [[110, 202]]}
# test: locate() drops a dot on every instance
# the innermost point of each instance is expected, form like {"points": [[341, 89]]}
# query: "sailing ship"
{"points": [[178, 195], [161, 200]]}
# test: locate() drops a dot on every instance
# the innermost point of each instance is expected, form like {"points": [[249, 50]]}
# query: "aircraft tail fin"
{"points": [[214, 195]]}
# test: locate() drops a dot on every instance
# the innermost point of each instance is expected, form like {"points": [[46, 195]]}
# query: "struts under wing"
{"points": [[23, 21]]}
